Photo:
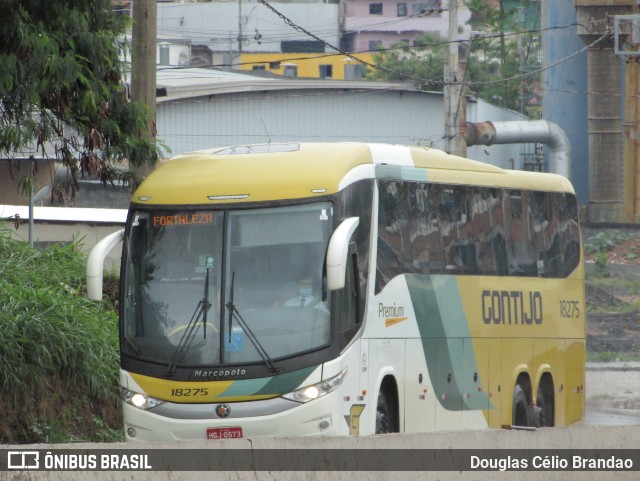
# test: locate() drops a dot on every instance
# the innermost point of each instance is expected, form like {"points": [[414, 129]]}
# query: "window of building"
{"points": [[375, 9], [353, 71], [290, 70], [375, 44], [258, 67], [402, 9], [326, 71]]}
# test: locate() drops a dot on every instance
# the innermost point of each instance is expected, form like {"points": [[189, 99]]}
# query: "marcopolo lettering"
{"points": [[222, 373], [511, 307]]}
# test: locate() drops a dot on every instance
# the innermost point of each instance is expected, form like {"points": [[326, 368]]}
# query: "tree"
{"points": [[420, 63], [62, 88], [489, 60]]}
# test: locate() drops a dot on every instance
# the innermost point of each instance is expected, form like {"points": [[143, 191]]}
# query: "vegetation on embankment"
{"points": [[613, 294], [58, 349]]}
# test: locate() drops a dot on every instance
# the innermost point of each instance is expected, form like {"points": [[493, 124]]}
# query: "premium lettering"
{"points": [[390, 311]]}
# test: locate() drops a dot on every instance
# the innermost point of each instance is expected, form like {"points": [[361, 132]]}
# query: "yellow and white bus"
{"points": [[443, 294]]}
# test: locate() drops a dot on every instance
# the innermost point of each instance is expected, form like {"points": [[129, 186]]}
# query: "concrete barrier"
{"points": [[575, 438]]}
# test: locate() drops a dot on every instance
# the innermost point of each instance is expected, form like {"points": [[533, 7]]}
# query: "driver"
{"points": [[307, 295]]}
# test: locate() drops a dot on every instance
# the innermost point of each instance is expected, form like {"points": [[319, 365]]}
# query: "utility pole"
{"points": [[239, 26], [453, 87], [143, 63]]}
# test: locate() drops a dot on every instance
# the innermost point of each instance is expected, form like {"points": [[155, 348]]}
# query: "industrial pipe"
{"points": [[523, 131]]}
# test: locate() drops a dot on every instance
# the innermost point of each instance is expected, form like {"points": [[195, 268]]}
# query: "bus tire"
{"points": [[384, 415], [520, 411], [547, 415]]}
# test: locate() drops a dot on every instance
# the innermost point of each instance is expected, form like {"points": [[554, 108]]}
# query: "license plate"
{"points": [[224, 433]]}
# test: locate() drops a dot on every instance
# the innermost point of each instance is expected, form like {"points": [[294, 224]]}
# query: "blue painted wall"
{"points": [[564, 98]]}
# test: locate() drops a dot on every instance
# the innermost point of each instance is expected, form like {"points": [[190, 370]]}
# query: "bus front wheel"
{"points": [[520, 412], [384, 415]]}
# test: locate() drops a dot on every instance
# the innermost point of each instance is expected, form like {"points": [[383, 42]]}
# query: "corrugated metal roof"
{"points": [[183, 83]]}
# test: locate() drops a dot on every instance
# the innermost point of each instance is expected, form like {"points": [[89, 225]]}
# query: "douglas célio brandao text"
{"points": [[550, 463]]}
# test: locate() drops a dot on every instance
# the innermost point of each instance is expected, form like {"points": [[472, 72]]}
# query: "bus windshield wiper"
{"points": [[190, 332], [131, 344], [235, 314]]}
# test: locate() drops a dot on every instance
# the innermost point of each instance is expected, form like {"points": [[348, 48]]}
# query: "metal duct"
{"points": [[522, 131]]}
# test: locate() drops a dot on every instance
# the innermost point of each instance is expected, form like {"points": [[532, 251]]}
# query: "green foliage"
{"points": [[600, 264], [58, 350], [604, 241], [404, 62], [61, 81]]}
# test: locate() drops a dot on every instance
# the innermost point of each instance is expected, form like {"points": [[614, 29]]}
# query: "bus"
{"points": [[447, 294]]}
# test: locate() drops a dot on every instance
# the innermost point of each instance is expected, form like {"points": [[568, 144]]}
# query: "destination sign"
{"points": [[182, 219]]}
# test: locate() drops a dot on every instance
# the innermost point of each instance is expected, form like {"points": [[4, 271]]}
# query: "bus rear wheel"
{"points": [[545, 401]]}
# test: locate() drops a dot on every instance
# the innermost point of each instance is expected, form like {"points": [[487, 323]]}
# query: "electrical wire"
{"points": [[419, 80]]}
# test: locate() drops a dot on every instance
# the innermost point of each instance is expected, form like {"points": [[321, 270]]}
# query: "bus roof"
{"points": [[262, 172]]}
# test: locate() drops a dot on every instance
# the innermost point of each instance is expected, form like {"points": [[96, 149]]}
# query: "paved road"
{"points": [[613, 394]]}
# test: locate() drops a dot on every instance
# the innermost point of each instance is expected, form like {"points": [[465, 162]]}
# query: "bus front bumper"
{"points": [[272, 418]]}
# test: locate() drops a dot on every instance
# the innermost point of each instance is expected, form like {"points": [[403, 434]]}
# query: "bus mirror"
{"points": [[95, 264], [337, 253]]}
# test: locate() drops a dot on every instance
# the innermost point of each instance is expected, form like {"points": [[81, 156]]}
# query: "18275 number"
{"points": [[189, 392], [570, 309]]}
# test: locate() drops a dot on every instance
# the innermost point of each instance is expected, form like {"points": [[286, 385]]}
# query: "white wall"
{"points": [[216, 24]]}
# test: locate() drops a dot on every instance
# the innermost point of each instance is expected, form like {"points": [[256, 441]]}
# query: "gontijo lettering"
{"points": [[511, 307], [182, 219]]}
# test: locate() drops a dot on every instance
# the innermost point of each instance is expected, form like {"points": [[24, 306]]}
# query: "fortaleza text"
{"points": [[557, 463]]}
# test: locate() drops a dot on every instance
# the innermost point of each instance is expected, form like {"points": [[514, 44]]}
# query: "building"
{"points": [[203, 108], [564, 87], [308, 65], [372, 24], [220, 31]]}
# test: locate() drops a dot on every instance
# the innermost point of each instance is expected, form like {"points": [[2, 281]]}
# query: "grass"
{"points": [[58, 350], [610, 356]]}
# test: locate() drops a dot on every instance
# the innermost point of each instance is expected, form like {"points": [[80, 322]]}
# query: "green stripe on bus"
{"points": [[446, 340], [401, 172], [275, 385], [287, 382]]}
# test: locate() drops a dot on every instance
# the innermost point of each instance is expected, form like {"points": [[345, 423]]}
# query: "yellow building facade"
{"points": [[307, 65]]}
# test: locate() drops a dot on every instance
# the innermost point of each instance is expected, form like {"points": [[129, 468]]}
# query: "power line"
{"points": [[563, 60], [306, 32], [420, 80]]}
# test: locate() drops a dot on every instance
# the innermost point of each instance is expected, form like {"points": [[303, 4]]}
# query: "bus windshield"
{"points": [[207, 288]]}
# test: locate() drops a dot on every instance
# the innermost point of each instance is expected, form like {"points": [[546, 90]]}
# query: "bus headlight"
{"points": [[139, 400], [315, 391]]}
